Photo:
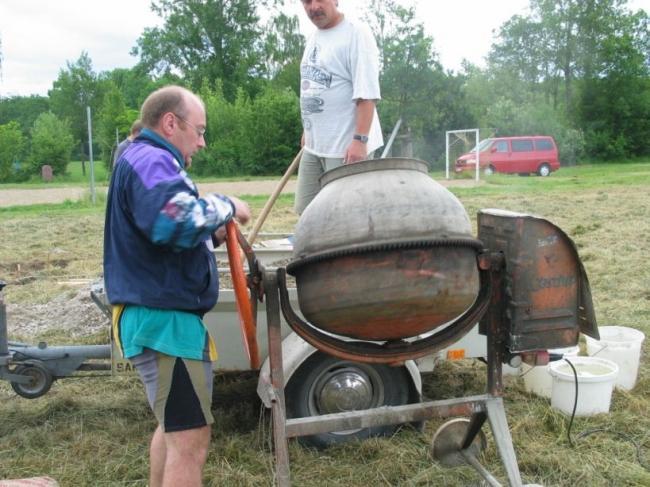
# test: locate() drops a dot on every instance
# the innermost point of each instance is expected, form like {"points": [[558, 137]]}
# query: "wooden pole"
{"points": [[274, 196]]}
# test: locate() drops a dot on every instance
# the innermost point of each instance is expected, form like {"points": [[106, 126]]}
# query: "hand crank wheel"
{"points": [[245, 309]]}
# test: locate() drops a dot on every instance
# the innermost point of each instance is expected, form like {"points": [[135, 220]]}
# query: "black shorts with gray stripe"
{"points": [[179, 390]]}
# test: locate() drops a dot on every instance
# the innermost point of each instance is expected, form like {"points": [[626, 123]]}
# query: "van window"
{"points": [[543, 144], [482, 146], [522, 146], [501, 146]]}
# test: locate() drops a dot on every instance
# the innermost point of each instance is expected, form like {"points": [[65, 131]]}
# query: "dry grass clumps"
{"points": [[94, 431]]}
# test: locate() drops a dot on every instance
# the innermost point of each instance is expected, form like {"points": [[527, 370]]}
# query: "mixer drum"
{"points": [[384, 253]]}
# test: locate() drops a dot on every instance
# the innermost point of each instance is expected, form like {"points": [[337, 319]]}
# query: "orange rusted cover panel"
{"points": [[547, 290]]}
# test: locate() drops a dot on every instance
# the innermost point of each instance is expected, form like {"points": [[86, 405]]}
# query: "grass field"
{"points": [[95, 431]]}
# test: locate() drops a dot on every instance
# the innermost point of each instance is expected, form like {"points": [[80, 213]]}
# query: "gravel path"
{"points": [[18, 197]]}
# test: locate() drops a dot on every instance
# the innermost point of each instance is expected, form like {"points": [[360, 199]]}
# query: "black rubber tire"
{"points": [[489, 171], [41, 381], [390, 387], [544, 170]]}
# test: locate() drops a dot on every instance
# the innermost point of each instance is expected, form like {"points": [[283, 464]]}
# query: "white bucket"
{"points": [[596, 377], [621, 345], [538, 379]]}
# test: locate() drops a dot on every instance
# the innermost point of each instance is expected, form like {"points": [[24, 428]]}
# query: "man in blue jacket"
{"points": [[161, 277]]}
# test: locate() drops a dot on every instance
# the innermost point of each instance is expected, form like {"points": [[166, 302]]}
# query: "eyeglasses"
{"points": [[199, 132]]}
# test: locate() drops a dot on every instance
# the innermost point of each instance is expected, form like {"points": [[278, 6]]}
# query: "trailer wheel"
{"points": [[324, 384], [40, 380]]}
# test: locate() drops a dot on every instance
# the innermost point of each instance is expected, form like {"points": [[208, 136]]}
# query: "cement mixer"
{"points": [[387, 270]]}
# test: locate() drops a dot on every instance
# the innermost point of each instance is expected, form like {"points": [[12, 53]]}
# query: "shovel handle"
{"points": [[274, 196]]}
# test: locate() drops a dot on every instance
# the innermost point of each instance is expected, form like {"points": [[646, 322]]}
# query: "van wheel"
{"points": [[489, 171], [544, 170], [324, 384]]}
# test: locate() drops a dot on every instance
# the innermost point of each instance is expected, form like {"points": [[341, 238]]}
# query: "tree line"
{"points": [[574, 69]]}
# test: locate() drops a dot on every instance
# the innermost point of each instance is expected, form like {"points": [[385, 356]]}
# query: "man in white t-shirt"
{"points": [[339, 87]]}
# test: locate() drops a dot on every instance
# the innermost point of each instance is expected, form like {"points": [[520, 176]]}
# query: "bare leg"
{"points": [[157, 455], [186, 452]]}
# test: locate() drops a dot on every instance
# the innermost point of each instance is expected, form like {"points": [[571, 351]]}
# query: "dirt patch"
{"points": [[72, 311]]}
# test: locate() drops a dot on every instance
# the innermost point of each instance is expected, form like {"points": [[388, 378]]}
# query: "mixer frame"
{"points": [[480, 408]]}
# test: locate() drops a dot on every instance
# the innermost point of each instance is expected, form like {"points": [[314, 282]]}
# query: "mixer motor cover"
{"points": [[548, 298]]}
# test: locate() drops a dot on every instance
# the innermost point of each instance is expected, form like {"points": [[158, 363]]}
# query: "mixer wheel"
{"points": [[324, 384]]}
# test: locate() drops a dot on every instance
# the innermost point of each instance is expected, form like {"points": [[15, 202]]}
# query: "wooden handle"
{"points": [[274, 196]]}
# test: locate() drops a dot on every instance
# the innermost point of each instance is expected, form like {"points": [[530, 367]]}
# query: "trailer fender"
{"points": [[295, 351]]}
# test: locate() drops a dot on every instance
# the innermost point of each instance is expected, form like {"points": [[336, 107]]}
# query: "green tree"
{"points": [[273, 132], [52, 143], [589, 59], [226, 137], [414, 86], [135, 84], [113, 118], [12, 145], [247, 136], [282, 51], [23, 109], [614, 106], [410, 66], [209, 40], [76, 88]]}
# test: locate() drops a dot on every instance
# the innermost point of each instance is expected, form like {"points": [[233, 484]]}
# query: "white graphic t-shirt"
{"points": [[339, 66]]}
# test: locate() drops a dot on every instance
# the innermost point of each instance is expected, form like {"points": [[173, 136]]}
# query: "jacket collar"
{"points": [[151, 136]]}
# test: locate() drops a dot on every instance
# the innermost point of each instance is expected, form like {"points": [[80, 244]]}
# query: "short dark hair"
{"points": [[136, 127], [167, 99]]}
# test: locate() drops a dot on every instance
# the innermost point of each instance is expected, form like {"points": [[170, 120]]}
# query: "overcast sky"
{"points": [[39, 36]]}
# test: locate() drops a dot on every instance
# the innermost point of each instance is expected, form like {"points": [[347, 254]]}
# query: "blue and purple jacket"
{"points": [[155, 251]]}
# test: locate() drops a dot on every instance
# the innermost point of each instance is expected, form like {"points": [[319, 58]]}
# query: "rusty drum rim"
{"points": [[472, 243], [393, 163]]}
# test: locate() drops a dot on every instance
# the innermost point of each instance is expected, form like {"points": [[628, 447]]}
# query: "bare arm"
{"points": [[357, 150]]}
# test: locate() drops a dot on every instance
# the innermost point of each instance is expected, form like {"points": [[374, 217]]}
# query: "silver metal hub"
{"points": [[344, 390]]}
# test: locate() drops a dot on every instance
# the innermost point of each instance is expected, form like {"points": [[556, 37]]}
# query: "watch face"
{"points": [[361, 138]]}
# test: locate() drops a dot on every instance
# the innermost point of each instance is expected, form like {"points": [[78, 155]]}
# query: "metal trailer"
{"points": [[31, 370]]}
